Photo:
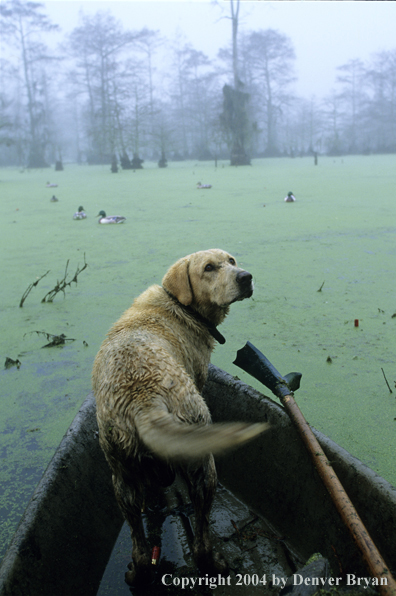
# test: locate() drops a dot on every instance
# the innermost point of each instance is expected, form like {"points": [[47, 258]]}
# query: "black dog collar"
{"points": [[209, 326]]}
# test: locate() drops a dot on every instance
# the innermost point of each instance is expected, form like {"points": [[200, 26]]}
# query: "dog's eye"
{"points": [[232, 261], [209, 267]]}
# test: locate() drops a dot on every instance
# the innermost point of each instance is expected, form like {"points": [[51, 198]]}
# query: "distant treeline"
{"points": [[108, 94]]}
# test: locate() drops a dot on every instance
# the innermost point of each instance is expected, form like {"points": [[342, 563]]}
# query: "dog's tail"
{"points": [[174, 440]]}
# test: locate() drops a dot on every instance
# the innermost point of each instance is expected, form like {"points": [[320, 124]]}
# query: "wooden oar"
{"points": [[251, 360]]}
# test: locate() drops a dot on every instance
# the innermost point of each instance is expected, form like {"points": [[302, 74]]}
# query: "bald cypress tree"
{"points": [[234, 119], [235, 123], [24, 25]]}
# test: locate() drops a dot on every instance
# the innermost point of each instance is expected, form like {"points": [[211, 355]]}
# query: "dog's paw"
{"points": [[130, 575], [139, 574], [212, 563], [219, 564]]}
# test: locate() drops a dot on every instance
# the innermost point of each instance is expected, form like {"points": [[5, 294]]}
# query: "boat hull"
{"points": [[69, 528]]}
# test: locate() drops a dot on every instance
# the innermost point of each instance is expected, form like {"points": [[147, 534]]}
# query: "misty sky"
{"points": [[325, 34]]}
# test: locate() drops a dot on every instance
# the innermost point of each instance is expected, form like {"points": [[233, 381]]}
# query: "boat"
{"points": [[272, 518]]}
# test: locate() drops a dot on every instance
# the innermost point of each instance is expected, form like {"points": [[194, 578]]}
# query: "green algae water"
{"points": [[339, 237]]}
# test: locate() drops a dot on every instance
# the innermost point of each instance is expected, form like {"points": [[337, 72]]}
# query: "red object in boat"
{"points": [[155, 555]]}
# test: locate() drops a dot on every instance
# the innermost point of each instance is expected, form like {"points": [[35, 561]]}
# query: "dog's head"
{"points": [[208, 281]]}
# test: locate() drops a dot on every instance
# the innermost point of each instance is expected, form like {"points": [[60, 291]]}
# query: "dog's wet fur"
{"points": [[147, 379]]}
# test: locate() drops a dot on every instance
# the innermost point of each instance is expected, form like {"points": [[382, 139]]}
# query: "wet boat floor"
{"points": [[257, 557]]}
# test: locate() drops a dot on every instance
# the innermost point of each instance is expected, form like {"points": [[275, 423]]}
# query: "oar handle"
{"points": [[251, 360], [344, 505]]}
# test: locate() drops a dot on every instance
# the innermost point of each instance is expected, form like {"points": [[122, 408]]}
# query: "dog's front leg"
{"points": [[202, 481]]}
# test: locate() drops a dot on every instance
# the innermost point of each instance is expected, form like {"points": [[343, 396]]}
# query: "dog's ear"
{"points": [[177, 282]]}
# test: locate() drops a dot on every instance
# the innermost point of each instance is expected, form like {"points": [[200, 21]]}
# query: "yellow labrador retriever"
{"points": [[147, 379]]}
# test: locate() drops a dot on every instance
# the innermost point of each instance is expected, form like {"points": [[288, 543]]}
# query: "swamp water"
{"points": [[341, 231]]}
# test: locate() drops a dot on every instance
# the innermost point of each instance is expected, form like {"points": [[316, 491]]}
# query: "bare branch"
{"points": [[62, 284], [29, 288], [56, 340]]}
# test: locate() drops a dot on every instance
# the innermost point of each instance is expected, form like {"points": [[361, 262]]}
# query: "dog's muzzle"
{"points": [[245, 282]]}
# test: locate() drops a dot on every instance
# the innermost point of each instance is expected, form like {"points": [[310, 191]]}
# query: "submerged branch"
{"points": [[386, 380], [9, 362], [30, 287], [62, 284], [56, 340]]}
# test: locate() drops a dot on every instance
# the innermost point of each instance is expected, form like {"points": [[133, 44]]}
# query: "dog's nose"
{"points": [[244, 278]]}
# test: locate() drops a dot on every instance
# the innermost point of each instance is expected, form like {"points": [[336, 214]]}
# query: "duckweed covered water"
{"points": [[341, 231]]}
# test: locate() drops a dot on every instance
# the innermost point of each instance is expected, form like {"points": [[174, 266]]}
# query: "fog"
{"points": [[325, 34], [159, 80]]}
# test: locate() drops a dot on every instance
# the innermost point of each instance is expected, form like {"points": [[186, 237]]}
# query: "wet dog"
{"points": [[147, 379]]}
